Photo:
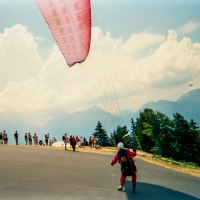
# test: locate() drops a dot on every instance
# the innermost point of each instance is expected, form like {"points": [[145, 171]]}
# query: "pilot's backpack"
{"points": [[128, 167]]}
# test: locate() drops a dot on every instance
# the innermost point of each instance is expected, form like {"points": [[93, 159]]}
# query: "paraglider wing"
{"points": [[70, 25]]}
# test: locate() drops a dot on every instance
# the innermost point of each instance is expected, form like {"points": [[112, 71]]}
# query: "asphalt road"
{"points": [[49, 173]]}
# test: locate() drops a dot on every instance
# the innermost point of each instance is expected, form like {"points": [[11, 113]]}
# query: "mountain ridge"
{"points": [[187, 105], [83, 123]]}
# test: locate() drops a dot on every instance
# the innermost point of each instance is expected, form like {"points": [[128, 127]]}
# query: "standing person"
{"points": [[65, 140], [46, 139], [94, 142], [78, 141], [81, 141], [16, 137], [50, 142], [5, 137], [35, 139], [72, 142], [1, 138], [26, 138], [30, 139], [124, 157], [90, 141]]}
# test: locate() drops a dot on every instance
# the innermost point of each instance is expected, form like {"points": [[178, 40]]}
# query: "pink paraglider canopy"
{"points": [[70, 24]]}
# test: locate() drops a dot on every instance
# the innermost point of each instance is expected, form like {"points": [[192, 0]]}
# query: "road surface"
{"points": [[49, 173]]}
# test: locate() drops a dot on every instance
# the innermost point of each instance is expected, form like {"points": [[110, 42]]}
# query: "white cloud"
{"points": [[19, 58], [140, 41], [174, 63], [111, 73], [189, 27]]}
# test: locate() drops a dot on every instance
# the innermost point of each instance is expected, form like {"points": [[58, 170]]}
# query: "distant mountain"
{"points": [[187, 105], [84, 123], [78, 123]]}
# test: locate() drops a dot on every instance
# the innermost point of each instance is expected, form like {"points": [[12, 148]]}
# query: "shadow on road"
{"points": [[150, 191]]}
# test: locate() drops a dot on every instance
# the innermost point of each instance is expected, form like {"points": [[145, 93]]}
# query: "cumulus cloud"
{"points": [[19, 58], [111, 75], [172, 65], [189, 27], [141, 41]]}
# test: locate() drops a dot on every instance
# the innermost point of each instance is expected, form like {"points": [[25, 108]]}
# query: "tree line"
{"points": [[156, 133]]}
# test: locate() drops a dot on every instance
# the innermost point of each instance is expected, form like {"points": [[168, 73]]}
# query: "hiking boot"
{"points": [[120, 188]]}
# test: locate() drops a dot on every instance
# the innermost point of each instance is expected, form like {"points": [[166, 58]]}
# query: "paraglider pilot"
{"points": [[124, 157]]}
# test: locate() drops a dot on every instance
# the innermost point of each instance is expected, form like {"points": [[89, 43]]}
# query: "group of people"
{"points": [[3, 137], [93, 142], [28, 138], [73, 141], [33, 140]]}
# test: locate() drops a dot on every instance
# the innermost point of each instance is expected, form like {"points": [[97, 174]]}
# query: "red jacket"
{"points": [[116, 158]]}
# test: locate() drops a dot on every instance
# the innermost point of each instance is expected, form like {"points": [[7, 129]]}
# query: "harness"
{"points": [[128, 167]]}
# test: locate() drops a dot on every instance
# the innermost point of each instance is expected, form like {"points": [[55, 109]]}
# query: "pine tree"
{"points": [[152, 129], [134, 143], [164, 133], [101, 135], [176, 138], [138, 131], [119, 133], [112, 139], [185, 138], [194, 143], [144, 130]]}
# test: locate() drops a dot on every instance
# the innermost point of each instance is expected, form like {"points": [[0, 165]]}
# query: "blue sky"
{"points": [[155, 16], [141, 51], [121, 19]]}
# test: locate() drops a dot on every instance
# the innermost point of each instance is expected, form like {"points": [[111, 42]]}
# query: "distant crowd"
{"points": [[30, 139], [33, 139], [93, 142]]}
